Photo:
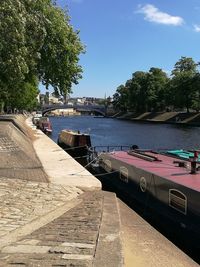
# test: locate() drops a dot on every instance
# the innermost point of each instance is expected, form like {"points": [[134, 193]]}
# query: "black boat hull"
{"points": [[163, 198]]}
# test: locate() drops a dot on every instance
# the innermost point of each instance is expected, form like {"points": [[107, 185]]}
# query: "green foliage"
{"points": [[59, 54], [143, 92], [37, 41], [155, 91], [183, 82], [25, 96], [120, 98]]}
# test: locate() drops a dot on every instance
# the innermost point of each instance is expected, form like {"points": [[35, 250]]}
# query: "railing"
{"points": [[96, 150]]}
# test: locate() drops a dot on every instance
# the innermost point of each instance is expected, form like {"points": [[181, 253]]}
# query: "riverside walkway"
{"points": [[54, 213]]}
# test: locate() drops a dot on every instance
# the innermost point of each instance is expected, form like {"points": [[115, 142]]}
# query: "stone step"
{"points": [[109, 250]]}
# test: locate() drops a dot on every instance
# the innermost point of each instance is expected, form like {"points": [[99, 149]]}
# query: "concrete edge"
{"points": [[59, 166], [109, 250]]}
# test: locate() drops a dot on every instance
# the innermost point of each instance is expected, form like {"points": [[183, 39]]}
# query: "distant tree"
{"points": [[120, 98], [196, 96], [144, 92], [156, 89], [183, 82], [138, 91]]}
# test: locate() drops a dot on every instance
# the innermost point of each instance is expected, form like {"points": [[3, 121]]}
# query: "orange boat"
{"points": [[75, 143]]}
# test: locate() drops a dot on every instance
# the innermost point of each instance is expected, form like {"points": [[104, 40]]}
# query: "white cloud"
{"points": [[196, 28], [153, 14]]}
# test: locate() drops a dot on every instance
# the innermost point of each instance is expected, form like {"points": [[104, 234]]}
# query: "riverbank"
{"points": [[182, 118], [54, 213]]}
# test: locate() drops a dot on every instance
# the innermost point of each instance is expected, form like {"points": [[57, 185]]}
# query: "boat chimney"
{"points": [[194, 161]]}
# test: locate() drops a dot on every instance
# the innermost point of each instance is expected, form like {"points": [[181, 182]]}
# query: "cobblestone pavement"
{"points": [[18, 159], [23, 202], [69, 240]]}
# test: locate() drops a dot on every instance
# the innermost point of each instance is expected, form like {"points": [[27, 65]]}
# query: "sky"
{"points": [[125, 36]]}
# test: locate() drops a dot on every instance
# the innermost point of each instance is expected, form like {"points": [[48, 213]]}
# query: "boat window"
{"points": [[108, 165], [178, 200], [143, 184], [124, 174]]}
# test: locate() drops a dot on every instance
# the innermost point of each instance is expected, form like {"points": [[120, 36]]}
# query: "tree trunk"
{"points": [[1, 107]]}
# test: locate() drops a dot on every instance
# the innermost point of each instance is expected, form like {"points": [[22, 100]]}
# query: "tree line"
{"points": [[37, 44], [156, 91]]}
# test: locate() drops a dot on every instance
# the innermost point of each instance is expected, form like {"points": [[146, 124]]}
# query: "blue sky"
{"points": [[124, 36]]}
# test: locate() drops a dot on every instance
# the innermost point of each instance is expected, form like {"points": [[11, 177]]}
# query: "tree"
{"points": [[60, 53], [37, 41], [183, 82], [25, 96], [156, 89], [138, 93], [120, 98]]}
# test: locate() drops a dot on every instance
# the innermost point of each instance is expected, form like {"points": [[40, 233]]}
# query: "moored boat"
{"points": [[37, 115], [75, 143], [44, 125], [166, 185]]}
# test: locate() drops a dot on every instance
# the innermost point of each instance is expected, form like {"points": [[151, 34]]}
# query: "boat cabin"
{"points": [[74, 142], [74, 138]]}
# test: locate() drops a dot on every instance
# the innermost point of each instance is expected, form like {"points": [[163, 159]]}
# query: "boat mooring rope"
{"points": [[86, 165]]}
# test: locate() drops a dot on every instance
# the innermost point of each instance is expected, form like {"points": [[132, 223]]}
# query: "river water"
{"points": [[115, 132]]}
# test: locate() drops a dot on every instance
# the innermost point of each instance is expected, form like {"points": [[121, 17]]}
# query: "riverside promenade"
{"points": [[54, 213]]}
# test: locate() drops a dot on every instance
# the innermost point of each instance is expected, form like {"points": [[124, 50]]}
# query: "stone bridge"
{"points": [[99, 109]]}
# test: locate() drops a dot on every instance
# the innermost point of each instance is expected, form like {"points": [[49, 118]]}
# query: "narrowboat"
{"points": [[36, 117], [75, 143], [166, 184], [44, 125]]}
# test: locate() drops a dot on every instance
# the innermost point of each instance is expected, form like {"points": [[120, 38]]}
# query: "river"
{"points": [[108, 131]]}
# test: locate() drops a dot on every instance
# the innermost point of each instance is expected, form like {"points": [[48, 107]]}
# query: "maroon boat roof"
{"points": [[164, 167]]}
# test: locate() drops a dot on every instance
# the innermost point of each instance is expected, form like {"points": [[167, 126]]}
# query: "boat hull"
{"points": [[74, 143], [73, 151], [168, 199]]}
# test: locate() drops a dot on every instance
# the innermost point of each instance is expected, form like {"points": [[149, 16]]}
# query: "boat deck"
{"points": [[163, 167]]}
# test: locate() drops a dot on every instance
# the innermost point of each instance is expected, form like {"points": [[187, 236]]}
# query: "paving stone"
{"points": [[25, 249], [76, 257], [29, 242], [18, 158], [22, 208], [77, 245], [69, 240]]}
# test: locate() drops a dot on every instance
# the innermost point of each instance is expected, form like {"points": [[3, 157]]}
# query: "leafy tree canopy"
{"points": [[183, 83], [37, 41], [155, 91]]}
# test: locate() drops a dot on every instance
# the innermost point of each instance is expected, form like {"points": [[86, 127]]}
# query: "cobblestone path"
{"points": [[22, 201], [17, 157], [69, 240]]}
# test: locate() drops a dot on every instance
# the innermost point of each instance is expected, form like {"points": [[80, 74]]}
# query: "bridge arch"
{"points": [[101, 110]]}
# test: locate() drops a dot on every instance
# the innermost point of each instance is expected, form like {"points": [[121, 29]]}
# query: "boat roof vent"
{"points": [[142, 155]]}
